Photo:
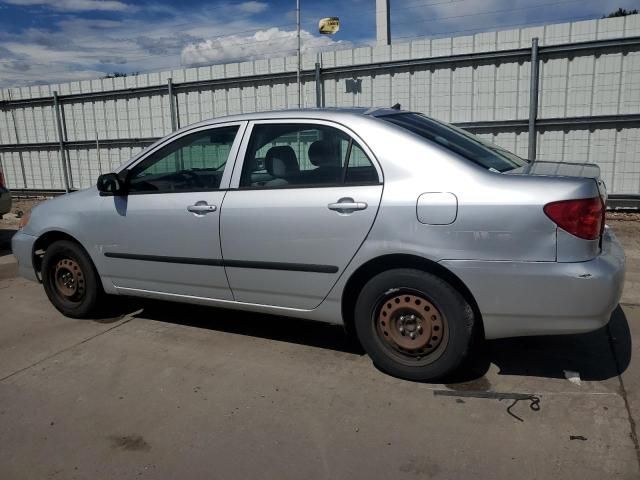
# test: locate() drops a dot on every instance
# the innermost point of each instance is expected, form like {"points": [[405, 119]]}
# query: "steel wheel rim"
{"points": [[68, 279], [411, 327]]}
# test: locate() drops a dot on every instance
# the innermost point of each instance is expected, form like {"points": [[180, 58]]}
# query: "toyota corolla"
{"points": [[417, 236]]}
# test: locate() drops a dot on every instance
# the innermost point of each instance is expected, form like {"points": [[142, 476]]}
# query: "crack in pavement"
{"points": [[66, 349], [623, 393]]}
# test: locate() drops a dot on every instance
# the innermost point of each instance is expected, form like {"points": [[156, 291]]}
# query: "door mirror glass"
{"points": [[110, 183]]}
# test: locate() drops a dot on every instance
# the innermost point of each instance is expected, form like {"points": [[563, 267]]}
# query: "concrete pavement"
{"points": [[158, 390]]}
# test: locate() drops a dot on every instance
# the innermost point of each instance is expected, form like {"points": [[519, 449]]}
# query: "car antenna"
{"points": [[396, 106]]}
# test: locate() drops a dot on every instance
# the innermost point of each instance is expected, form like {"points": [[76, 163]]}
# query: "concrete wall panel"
{"points": [[582, 84]]}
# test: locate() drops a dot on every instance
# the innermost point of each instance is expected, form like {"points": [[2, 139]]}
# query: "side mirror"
{"points": [[110, 184]]}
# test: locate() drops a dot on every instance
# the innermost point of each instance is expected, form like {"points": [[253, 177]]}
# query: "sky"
{"points": [[49, 41]]}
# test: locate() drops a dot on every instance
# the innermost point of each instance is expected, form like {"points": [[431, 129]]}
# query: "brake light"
{"points": [[583, 218]]}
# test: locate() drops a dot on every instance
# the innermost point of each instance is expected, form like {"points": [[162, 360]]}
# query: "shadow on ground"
{"points": [[272, 327], [598, 355]]}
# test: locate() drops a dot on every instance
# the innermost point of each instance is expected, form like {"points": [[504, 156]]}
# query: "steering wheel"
{"points": [[193, 178]]}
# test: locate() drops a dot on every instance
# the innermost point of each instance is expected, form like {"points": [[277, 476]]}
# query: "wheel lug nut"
{"points": [[419, 329], [401, 330], [413, 336]]}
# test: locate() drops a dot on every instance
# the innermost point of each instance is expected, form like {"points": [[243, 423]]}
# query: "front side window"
{"points": [[459, 141], [298, 155], [194, 162]]}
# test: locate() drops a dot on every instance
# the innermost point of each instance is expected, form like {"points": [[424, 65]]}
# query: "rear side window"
{"points": [[360, 168], [304, 155], [457, 140]]}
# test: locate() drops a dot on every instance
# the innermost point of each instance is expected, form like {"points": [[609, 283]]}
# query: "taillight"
{"points": [[1, 179], [583, 218]]}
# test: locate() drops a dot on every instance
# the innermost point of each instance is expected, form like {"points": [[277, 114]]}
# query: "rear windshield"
{"points": [[461, 142]]}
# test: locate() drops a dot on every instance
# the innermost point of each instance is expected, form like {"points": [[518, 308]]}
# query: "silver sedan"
{"points": [[415, 235]]}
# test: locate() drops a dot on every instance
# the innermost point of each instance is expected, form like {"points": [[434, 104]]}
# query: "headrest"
{"points": [[281, 161], [323, 154]]}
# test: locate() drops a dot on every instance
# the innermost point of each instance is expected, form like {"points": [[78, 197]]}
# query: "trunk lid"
{"points": [[563, 169]]}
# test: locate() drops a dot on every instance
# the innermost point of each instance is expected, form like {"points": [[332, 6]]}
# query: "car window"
{"points": [[193, 162], [297, 155], [360, 169], [459, 141]]}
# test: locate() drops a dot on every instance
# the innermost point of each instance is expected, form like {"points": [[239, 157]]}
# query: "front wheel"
{"points": [[413, 324], [70, 280]]}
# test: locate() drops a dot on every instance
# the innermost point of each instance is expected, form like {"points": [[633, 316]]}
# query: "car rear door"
{"points": [[304, 196]]}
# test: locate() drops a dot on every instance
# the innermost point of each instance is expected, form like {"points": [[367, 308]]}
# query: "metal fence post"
{"points": [[3, 171], [15, 130], [318, 86], [172, 107], [65, 137], [65, 173], [533, 99], [98, 154]]}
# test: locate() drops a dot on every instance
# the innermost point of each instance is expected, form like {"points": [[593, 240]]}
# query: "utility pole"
{"points": [[299, 53], [533, 99], [383, 24]]}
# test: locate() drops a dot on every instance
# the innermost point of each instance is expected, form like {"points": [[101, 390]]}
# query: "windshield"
{"points": [[456, 139]]}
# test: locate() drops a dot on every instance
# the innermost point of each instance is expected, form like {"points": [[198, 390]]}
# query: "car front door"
{"points": [[163, 235], [300, 205]]}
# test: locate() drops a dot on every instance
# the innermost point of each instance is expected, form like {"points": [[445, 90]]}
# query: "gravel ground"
{"points": [[20, 206]]}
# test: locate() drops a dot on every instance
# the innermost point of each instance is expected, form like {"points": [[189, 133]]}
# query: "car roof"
{"points": [[312, 113]]}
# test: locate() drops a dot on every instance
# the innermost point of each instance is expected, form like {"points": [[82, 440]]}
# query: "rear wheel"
{"points": [[413, 324], [70, 280]]}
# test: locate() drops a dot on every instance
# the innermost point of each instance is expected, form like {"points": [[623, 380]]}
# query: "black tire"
{"points": [[70, 280], [399, 303]]}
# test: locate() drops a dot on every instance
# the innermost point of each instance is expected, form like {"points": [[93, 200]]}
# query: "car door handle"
{"points": [[201, 208], [347, 205]]}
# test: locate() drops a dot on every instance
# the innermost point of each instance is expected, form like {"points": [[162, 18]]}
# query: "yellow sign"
{"points": [[329, 26]]}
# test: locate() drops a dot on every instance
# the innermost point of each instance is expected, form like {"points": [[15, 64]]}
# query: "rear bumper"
{"points": [[22, 247], [545, 298]]}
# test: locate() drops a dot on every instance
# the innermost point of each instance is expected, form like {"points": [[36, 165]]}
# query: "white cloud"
{"points": [[252, 7], [74, 5], [272, 42], [75, 48]]}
